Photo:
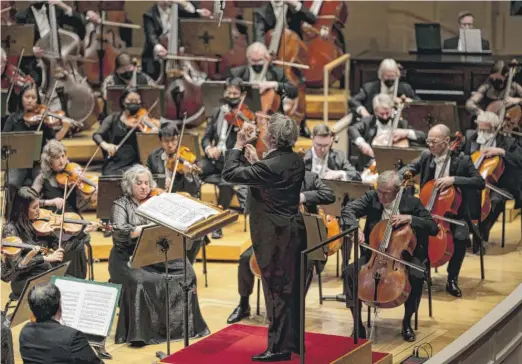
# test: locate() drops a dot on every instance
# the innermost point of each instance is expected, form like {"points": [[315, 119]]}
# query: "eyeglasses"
{"points": [[433, 141]]}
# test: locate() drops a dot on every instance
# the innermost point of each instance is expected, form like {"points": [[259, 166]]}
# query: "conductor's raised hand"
{"points": [[251, 154], [247, 132]]}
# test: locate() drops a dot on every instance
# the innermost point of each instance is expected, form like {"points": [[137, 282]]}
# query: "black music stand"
{"points": [[422, 115], [22, 311], [17, 37], [315, 233], [204, 37], [109, 190], [393, 158], [253, 99], [212, 95], [149, 95], [147, 142]]}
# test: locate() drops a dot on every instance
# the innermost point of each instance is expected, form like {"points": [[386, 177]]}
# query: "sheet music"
{"points": [[86, 306], [175, 211]]}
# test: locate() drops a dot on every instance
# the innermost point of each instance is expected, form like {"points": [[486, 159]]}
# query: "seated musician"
{"points": [[494, 89], [113, 130], [156, 25], [510, 152], [461, 173], [327, 162], [46, 340], [142, 311], [377, 205], [377, 129], [466, 21], [219, 137], [361, 104], [26, 210], [6, 336], [313, 193]]}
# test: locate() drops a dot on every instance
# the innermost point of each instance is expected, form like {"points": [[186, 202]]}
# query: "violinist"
{"points": [[377, 205], [377, 129], [113, 130], [26, 209], [510, 151], [142, 313], [461, 173], [156, 24], [361, 104], [220, 136]]}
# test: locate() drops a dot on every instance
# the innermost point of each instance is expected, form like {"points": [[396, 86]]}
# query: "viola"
{"points": [[49, 223], [383, 282], [16, 77], [184, 155], [52, 119], [153, 192], [145, 123], [72, 175], [237, 117], [12, 246], [440, 203]]}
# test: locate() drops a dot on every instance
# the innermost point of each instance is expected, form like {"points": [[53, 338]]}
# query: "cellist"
{"points": [[510, 152], [377, 205], [461, 173]]}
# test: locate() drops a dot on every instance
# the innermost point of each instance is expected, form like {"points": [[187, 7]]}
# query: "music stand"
{"points": [[147, 142], [422, 115], [212, 95], [471, 40], [22, 311], [343, 190], [315, 234], [149, 95], [158, 243], [109, 190], [253, 99], [203, 36], [85, 6], [17, 37], [392, 158]]}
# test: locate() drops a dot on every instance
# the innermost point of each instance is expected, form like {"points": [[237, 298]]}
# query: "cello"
{"points": [[383, 281], [439, 203], [322, 39]]}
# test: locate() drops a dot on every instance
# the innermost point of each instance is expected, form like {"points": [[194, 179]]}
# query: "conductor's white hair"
{"points": [[132, 175], [490, 118], [284, 130], [388, 64], [256, 47], [382, 100], [388, 177]]}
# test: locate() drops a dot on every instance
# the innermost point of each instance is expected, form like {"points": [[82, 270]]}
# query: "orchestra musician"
{"points": [[461, 173], [46, 340], [511, 153], [113, 130], [275, 185], [142, 310], [466, 21], [6, 336], [156, 25], [361, 104], [377, 129], [220, 136], [377, 205], [313, 193]]}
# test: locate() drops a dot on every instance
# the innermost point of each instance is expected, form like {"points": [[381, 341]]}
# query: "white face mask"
{"points": [[483, 137]]}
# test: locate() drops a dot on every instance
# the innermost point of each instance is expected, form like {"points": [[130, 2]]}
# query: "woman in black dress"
{"points": [[142, 315], [112, 131]]}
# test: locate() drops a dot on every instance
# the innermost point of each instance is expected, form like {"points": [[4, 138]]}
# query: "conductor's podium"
{"points": [[237, 343]]}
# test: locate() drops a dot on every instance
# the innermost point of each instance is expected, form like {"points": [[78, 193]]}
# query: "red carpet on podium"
{"points": [[236, 344]]}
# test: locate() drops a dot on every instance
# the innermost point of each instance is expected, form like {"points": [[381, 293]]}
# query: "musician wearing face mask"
{"points": [[377, 129], [220, 136], [494, 89], [112, 131], [510, 152], [361, 104]]}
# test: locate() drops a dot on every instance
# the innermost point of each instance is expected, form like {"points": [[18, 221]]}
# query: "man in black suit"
{"points": [[219, 137], [275, 185], [376, 130], [462, 174], [313, 193], [377, 205], [46, 340], [361, 104], [156, 25], [510, 151], [466, 21]]}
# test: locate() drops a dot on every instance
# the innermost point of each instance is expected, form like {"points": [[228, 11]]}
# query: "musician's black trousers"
{"points": [[497, 206], [226, 190], [460, 240]]}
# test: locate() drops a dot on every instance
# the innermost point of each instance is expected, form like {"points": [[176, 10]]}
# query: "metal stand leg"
{"points": [[504, 226], [337, 264], [205, 263], [91, 261], [319, 282], [258, 312]]}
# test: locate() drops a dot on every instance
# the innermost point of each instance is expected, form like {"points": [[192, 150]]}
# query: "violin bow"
{"points": [[11, 87], [48, 101], [83, 173], [63, 213], [177, 153]]}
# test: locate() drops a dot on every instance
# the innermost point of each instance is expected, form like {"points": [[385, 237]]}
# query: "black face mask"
{"points": [[132, 108], [38, 5], [498, 84], [383, 121], [257, 68], [389, 83], [232, 101], [127, 75]]}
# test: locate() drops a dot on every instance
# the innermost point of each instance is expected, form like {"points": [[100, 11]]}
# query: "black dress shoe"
{"points": [[407, 333], [303, 130], [238, 314], [217, 234], [453, 288], [268, 356]]}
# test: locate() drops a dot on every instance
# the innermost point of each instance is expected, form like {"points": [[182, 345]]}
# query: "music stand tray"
{"points": [[253, 99], [149, 95], [387, 158], [147, 142], [17, 37], [315, 234], [343, 189], [203, 36], [15, 151], [22, 311], [422, 115], [212, 95], [109, 190]]}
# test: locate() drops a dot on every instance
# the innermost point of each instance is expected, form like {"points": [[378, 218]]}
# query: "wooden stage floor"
{"points": [[451, 317]]}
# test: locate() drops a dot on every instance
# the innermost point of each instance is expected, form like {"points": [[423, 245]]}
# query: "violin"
{"points": [[153, 192], [72, 175], [145, 123], [440, 203], [184, 155], [52, 119], [49, 223], [12, 246], [237, 117], [16, 77], [383, 282]]}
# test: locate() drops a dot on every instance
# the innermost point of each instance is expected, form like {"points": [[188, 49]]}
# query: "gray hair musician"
{"points": [[275, 185]]}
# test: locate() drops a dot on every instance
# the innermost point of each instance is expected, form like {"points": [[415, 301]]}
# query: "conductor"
{"points": [[275, 185]]}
